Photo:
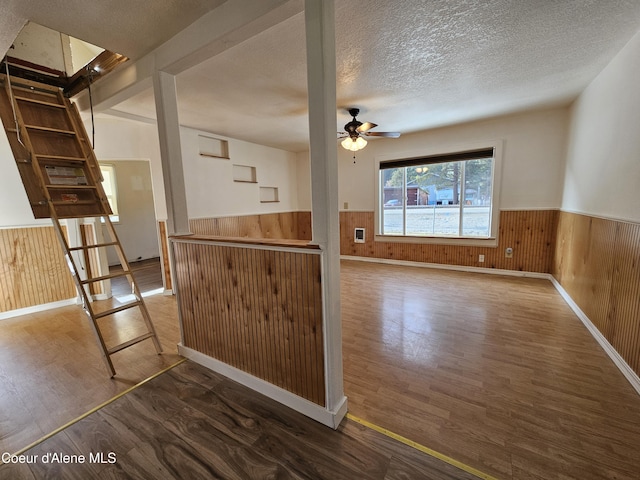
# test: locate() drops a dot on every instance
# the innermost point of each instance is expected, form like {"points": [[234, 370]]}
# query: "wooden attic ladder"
{"points": [[62, 179]]}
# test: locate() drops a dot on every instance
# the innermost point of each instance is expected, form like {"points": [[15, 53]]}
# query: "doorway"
{"points": [[129, 189]]}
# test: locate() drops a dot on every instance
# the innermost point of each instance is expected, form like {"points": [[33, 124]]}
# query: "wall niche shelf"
{"points": [[244, 174], [213, 147], [269, 195]]}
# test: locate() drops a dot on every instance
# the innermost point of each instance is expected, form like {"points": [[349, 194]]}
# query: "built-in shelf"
{"points": [[269, 194], [244, 174], [213, 147]]}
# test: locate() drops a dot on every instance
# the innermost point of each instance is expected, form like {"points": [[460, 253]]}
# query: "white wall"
{"points": [[532, 177], [14, 204], [603, 161], [125, 139], [211, 190], [115, 139], [40, 45], [533, 161], [303, 165], [136, 227], [133, 149]]}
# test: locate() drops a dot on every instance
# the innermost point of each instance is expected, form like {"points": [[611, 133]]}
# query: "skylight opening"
{"points": [[44, 55]]}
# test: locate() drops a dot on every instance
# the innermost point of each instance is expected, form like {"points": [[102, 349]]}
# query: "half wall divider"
{"points": [[252, 309]]}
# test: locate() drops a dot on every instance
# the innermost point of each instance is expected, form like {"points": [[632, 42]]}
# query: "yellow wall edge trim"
{"points": [[421, 448]]}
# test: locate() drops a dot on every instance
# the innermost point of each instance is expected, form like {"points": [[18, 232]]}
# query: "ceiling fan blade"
{"points": [[365, 126], [342, 134], [382, 134]]}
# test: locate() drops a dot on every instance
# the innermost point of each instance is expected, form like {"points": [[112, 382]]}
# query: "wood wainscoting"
{"points": [[277, 226], [597, 262], [33, 270], [256, 308], [531, 234], [284, 225]]}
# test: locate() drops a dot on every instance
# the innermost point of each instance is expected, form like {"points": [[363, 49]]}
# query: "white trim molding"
{"points": [[38, 308], [441, 266], [622, 365], [330, 418]]}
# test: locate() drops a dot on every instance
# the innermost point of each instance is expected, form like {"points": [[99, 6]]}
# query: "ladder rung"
{"points": [[75, 214], [111, 311], [51, 157], [39, 102], [77, 202], [105, 277], [29, 86], [72, 187], [133, 341], [59, 158], [50, 130], [97, 245]]}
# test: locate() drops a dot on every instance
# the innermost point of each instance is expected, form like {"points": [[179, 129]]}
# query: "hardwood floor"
{"points": [[148, 275], [51, 369], [495, 372], [193, 423]]}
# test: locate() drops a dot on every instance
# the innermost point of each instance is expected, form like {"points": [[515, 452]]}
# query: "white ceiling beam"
{"points": [[220, 29]]}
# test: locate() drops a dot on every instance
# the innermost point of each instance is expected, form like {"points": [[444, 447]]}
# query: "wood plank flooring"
{"points": [[148, 275], [192, 423], [51, 368], [496, 372], [493, 371]]}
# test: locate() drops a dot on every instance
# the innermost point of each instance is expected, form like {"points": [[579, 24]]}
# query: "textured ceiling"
{"points": [[409, 65], [128, 27]]}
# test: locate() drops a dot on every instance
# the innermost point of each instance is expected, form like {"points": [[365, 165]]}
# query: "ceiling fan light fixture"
{"points": [[353, 145]]}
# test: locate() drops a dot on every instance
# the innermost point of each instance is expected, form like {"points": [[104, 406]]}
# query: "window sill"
{"points": [[462, 241], [115, 219]]}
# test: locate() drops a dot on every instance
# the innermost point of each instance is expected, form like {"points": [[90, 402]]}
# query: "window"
{"points": [[110, 190], [444, 196]]}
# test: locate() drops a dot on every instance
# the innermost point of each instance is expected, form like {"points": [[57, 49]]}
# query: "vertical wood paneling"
{"points": [[163, 240], [32, 269], [597, 261], [185, 300], [257, 310], [530, 233], [285, 225], [625, 299]]}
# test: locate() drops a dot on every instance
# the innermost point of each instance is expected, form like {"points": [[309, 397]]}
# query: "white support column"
{"points": [[321, 79], [164, 89]]}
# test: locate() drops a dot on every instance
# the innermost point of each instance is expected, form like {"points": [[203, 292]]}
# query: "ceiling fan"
{"points": [[356, 130]]}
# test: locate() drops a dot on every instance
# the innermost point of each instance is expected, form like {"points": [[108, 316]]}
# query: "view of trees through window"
{"points": [[428, 200]]}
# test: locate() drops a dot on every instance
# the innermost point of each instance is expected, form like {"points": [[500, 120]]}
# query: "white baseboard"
{"points": [[440, 266], [330, 418], [38, 308], [623, 366], [626, 370], [157, 291]]}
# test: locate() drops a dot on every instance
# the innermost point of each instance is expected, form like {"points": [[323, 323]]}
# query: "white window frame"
{"points": [[108, 169], [491, 241]]}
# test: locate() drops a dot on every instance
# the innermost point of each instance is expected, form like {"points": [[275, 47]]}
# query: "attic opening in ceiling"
{"points": [[43, 55]]}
